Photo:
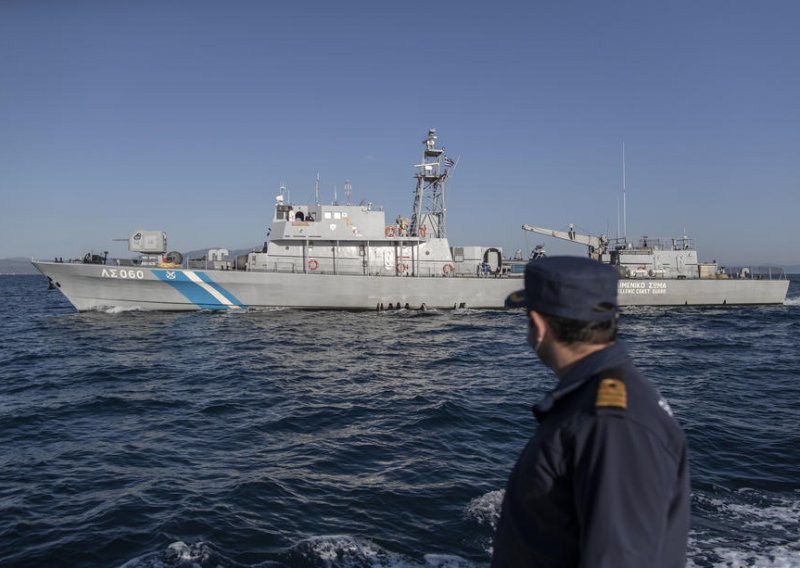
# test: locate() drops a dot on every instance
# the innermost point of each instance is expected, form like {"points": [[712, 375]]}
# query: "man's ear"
{"points": [[539, 325]]}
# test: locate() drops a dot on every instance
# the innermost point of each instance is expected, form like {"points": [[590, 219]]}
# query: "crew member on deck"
{"points": [[605, 479]]}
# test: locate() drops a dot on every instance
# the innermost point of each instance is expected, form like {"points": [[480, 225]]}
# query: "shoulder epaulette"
{"points": [[611, 393]]}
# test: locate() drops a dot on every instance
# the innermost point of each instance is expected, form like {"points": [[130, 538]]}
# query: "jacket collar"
{"points": [[581, 373]]}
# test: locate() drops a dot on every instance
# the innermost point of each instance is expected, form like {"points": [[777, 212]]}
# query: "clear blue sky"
{"points": [[185, 116]]}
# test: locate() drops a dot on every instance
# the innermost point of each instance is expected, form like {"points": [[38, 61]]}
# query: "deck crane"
{"points": [[597, 245]]}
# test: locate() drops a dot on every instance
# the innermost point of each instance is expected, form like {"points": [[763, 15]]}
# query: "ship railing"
{"points": [[753, 272], [622, 244], [352, 266]]}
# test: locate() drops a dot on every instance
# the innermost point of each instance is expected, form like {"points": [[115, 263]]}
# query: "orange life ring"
{"points": [[422, 231], [389, 232], [313, 264], [447, 268]]}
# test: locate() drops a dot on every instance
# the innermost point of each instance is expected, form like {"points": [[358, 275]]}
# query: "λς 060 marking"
{"points": [[122, 273]]}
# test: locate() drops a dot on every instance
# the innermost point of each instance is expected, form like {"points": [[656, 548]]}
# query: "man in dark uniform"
{"points": [[605, 479]]}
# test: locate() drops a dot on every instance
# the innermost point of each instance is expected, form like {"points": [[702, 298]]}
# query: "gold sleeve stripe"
{"points": [[611, 393]]}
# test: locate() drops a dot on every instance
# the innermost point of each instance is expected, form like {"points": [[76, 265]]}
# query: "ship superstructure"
{"points": [[659, 267], [358, 240]]}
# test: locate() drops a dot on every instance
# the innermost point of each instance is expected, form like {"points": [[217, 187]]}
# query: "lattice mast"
{"points": [[429, 209], [348, 191]]}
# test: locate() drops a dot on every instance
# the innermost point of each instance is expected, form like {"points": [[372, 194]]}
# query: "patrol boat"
{"points": [[321, 256], [667, 272], [316, 256]]}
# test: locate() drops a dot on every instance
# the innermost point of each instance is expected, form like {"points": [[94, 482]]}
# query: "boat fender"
{"points": [[313, 264], [389, 232], [447, 268]]}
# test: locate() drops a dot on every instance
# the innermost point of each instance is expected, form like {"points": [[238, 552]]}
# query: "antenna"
{"points": [[316, 190], [335, 198], [624, 198], [348, 191]]}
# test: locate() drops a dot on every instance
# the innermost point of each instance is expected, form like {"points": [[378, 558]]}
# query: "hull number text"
{"points": [[122, 273]]}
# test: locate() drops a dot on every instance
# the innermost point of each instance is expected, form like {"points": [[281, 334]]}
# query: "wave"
{"points": [[746, 528], [178, 555], [771, 525], [723, 556], [768, 527], [342, 550], [327, 551], [486, 508], [115, 310]]}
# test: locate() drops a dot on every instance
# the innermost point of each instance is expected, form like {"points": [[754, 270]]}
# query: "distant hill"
{"points": [[17, 265]]}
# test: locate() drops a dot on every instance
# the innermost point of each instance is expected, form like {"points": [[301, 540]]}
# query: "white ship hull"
{"points": [[100, 287], [701, 292]]}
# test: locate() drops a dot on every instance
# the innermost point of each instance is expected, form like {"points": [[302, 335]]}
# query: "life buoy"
{"points": [[447, 268], [313, 264], [422, 231], [401, 267], [389, 232]]}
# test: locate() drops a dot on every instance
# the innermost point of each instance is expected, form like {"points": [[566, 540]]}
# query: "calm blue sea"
{"points": [[292, 438]]}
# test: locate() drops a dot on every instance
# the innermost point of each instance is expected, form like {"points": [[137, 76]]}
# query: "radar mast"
{"points": [[429, 209], [348, 191]]}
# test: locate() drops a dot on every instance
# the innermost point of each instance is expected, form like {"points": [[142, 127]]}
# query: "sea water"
{"points": [[307, 438]]}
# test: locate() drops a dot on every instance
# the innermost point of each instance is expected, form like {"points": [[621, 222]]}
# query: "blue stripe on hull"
{"points": [[228, 296], [194, 292]]}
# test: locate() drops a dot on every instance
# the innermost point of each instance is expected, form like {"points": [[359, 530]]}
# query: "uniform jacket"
{"points": [[604, 481]]}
